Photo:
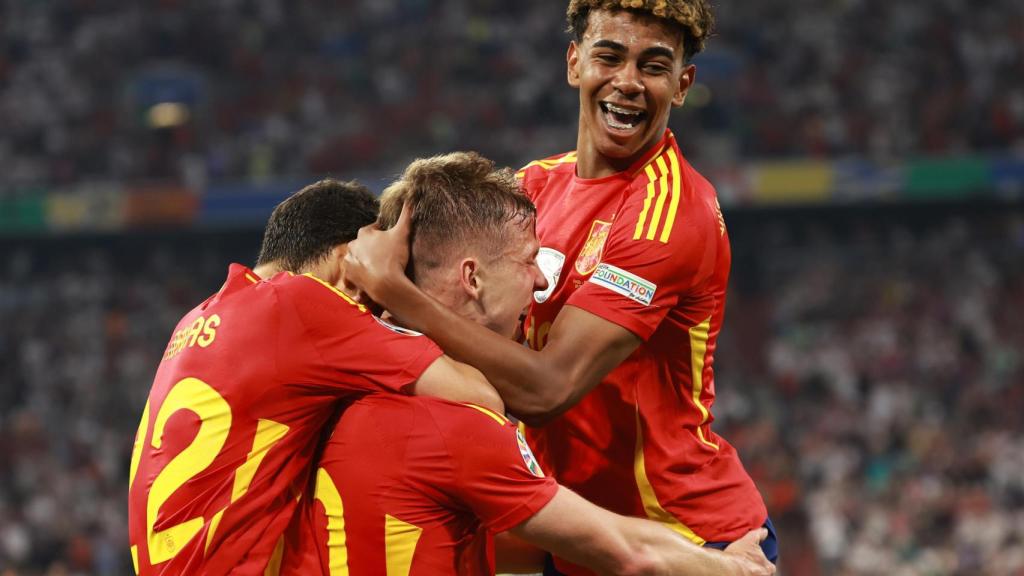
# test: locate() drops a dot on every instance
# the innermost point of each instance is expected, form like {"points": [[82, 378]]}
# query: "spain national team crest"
{"points": [[528, 457], [590, 255]]}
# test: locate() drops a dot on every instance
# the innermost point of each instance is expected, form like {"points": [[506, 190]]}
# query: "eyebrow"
{"points": [[651, 52]]}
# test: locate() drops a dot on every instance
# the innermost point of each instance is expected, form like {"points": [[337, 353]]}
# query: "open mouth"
{"points": [[620, 118]]}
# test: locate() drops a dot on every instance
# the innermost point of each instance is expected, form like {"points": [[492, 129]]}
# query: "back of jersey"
{"points": [[227, 436], [415, 485]]}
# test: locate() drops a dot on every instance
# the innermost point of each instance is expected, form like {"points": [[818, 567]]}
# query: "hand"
{"points": [[377, 258], [747, 555]]}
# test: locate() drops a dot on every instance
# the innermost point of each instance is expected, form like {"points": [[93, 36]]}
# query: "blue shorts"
{"points": [[770, 547]]}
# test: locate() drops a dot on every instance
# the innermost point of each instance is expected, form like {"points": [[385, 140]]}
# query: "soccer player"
{"points": [[414, 485], [619, 366], [247, 382]]}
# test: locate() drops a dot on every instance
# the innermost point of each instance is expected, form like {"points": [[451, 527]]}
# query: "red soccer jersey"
{"points": [[646, 249], [416, 486], [228, 434]]}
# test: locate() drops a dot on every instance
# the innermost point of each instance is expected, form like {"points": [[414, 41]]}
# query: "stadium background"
{"points": [[869, 157]]}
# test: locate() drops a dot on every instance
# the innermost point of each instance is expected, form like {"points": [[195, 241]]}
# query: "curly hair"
{"points": [[694, 18]]}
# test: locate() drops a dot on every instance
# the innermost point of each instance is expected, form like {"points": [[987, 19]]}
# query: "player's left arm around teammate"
{"points": [[574, 529], [536, 385]]}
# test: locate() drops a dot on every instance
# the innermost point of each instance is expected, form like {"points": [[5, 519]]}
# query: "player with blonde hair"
{"points": [[618, 370], [418, 485]]}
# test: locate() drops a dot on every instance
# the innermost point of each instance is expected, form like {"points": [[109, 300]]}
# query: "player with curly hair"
{"points": [[617, 375]]}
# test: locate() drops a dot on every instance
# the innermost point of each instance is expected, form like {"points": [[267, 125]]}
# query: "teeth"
{"points": [[614, 124], [619, 110]]}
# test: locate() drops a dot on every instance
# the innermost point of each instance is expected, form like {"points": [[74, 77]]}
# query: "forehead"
{"points": [[634, 30], [522, 238]]}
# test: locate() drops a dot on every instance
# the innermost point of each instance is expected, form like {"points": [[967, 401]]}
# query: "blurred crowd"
{"points": [[268, 87], [870, 373], [872, 377]]}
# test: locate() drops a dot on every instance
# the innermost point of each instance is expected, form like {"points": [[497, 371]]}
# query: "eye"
{"points": [[656, 68]]}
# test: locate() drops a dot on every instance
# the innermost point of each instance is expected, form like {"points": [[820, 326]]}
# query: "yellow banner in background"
{"points": [[792, 182]]}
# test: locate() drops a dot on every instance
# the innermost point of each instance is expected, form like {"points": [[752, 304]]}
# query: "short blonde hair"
{"points": [[459, 201], [693, 17]]}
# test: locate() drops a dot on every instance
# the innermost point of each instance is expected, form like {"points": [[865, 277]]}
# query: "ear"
{"points": [[333, 271], [572, 60], [469, 278], [685, 81]]}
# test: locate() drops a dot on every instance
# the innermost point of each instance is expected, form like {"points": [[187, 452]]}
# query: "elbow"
{"points": [[630, 562], [639, 564], [542, 408]]}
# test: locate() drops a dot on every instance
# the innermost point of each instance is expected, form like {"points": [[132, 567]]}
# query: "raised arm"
{"points": [[581, 348], [611, 544]]}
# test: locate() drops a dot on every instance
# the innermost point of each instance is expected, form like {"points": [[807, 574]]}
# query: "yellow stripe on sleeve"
{"points": [[651, 178], [670, 218], [659, 206]]}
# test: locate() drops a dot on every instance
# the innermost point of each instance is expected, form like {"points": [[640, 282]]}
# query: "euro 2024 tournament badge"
{"points": [[528, 458], [590, 255], [550, 262]]}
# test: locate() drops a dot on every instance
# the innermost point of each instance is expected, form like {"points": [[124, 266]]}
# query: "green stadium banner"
{"points": [[24, 211], [942, 179]]}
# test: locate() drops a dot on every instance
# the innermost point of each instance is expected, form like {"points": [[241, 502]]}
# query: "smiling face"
{"points": [[630, 71]]}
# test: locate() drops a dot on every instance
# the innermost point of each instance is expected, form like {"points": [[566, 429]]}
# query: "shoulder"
{"points": [[538, 171], [306, 289], [668, 195]]}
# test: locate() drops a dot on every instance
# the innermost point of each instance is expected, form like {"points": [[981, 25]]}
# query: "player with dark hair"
{"points": [[248, 381], [619, 367], [309, 224], [414, 485]]}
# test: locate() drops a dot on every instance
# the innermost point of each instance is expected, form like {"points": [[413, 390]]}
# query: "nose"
{"points": [[540, 281], [627, 80]]}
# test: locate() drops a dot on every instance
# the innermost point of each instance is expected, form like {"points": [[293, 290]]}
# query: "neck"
{"points": [[267, 270], [591, 163]]}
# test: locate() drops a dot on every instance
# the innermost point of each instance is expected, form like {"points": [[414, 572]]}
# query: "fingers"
{"points": [[758, 534], [405, 218]]}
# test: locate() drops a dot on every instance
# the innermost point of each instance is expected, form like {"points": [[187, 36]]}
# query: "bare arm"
{"points": [[585, 534], [458, 382], [581, 348]]}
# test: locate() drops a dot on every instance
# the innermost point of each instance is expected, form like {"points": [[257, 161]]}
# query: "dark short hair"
{"points": [[693, 18], [459, 201], [305, 227]]}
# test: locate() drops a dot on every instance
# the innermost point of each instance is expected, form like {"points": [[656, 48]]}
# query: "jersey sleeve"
{"points": [[495, 473], [350, 347], [658, 250]]}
